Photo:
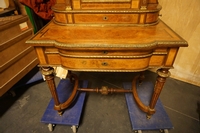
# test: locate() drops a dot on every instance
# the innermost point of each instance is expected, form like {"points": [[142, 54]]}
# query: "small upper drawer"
{"points": [[106, 18]]}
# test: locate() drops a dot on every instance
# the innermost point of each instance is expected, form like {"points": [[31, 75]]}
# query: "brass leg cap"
{"points": [[148, 117]]}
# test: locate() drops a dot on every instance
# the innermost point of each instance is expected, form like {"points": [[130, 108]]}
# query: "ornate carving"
{"points": [[144, 1], [49, 76], [136, 46], [103, 70], [105, 90], [68, 8], [89, 56], [163, 73], [143, 5], [106, 0], [108, 11], [46, 71]]}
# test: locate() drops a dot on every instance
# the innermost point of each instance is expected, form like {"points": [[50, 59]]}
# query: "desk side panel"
{"points": [[171, 56], [41, 55]]}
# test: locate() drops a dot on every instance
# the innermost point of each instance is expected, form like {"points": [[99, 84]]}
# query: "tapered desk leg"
{"points": [[160, 81], [48, 72]]}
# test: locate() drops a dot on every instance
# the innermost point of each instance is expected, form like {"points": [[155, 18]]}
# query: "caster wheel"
{"points": [[51, 126], [164, 131], [74, 128], [138, 131], [12, 93]]}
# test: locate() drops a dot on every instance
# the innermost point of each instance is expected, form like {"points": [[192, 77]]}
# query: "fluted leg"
{"points": [[162, 75], [48, 72]]}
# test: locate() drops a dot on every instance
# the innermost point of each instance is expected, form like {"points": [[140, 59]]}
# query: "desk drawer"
{"points": [[105, 59], [106, 18], [105, 64]]}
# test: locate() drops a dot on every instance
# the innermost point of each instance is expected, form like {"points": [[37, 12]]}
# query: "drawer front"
{"points": [[105, 64], [106, 18], [100, 60], [104, 60]]}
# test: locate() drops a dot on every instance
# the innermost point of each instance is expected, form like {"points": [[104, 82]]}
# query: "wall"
{"points": [[183, 16]]}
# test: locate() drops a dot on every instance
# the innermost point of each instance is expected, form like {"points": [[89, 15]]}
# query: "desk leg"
{"points": [[160, 81], [48, 72], [141, 77]]}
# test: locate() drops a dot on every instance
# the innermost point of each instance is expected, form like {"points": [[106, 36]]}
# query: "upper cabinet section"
{"points": [[109, 4], [131, 12]]}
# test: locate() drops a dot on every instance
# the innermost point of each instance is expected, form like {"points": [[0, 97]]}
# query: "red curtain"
{"points": [[41, 7]]}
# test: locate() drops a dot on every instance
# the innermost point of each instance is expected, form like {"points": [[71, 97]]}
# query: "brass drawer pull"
{"points": [[104, 64]]}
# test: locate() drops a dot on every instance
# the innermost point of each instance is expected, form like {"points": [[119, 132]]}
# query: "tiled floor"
{"points": [[101, 114]]}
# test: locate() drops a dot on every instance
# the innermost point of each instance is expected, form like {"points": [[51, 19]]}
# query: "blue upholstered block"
{"points": [[71, 115], [159, 120]]}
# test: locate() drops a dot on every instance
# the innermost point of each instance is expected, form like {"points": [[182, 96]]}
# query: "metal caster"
{"points": [[138, 131], [12, 93], [74, 128], [51, 127], [164, 131]]}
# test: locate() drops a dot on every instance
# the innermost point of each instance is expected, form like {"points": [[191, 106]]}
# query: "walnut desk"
{"points": [[107, 48]]}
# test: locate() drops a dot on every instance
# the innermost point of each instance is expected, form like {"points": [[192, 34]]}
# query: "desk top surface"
{"points": [[107, 36]]}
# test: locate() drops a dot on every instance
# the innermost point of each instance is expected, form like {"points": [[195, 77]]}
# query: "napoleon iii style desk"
{"points": [[107, 36]]}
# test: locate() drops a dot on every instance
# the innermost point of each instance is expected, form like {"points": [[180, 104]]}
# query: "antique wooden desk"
{"points": [[106, 47]]}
